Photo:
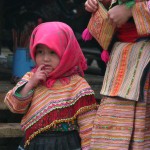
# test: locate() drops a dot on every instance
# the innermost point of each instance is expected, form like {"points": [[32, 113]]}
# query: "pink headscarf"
{"points": [[60, 38]]}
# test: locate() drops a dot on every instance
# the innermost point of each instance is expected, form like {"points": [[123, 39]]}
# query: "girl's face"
{"points": [[47, 57]]}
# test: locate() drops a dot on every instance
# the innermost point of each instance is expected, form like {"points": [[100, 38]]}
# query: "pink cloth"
{"points": [[59, 37], [86, 35]]}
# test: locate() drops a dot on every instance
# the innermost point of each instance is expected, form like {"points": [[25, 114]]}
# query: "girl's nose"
{"points": [[46, 57]]}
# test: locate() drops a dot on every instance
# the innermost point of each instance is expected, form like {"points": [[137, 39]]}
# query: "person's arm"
{"points": [[39, 76], [141, 16], [15, 101], [18, 99], [85, 122]]}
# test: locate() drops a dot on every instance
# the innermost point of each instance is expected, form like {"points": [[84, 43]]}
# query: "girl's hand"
{"points": [[91, 5], [118, 15], [40, 75]]}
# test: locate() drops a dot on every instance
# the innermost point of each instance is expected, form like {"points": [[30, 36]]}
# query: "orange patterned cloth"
{"points": [[141, 16], [128, 61], [100, 28], [123, 124]]}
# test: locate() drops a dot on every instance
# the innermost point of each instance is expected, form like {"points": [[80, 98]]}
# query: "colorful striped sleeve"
{"points": [[141, 15], [16, 103], [85, 122]]}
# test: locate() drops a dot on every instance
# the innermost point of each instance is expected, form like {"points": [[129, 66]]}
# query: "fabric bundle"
{"points": [[99, 28]]}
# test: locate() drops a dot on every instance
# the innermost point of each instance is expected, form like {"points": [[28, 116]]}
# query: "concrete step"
{"points": [[2, 105], [12, 130], [5, 86]]}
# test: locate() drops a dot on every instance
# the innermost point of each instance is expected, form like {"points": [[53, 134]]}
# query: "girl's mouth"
{"points": [[48, 68]]}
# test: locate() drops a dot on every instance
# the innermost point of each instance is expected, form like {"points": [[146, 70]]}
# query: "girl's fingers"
{"points": [[42, 76], [40, 67], [43, 71]]}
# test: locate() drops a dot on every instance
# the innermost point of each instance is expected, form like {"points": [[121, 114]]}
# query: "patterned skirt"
{"points": [[123, 124]]}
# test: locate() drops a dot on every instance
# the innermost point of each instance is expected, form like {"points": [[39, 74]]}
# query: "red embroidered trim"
{"points": [[58, 116]]}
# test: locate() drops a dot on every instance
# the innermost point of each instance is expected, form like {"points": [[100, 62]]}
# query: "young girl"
{"points": [[57, 102], [122, 121]]}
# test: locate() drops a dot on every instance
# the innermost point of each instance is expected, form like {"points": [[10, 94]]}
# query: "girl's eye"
{"points": [[52, 52], [38, 51]]}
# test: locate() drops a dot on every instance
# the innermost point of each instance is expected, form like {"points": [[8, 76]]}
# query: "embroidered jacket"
{"points": [[45, 108]]}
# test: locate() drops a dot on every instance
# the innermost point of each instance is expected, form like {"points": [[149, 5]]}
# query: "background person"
{"points": [[123, 118]]}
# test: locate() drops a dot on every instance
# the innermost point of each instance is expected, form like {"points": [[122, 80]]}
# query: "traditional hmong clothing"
{"points": [[123, 118], [59, 112], [63, 108]]}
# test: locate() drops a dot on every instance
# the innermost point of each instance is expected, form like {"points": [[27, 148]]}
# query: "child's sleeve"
{"points": [[15, 102], [85, 122], [141, 16]]}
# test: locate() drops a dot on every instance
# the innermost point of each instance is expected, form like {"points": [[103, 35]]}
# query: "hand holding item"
{"points": [[118, 15], [91, 5]]}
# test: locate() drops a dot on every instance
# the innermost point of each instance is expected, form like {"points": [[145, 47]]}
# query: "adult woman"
{"points": [[123, 118]]}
